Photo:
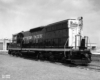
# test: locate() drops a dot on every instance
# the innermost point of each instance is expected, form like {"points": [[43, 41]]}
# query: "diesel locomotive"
{"points": [[59, 41]]}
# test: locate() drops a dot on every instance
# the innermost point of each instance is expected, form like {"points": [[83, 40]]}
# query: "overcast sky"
{"points": [[22, 15]]}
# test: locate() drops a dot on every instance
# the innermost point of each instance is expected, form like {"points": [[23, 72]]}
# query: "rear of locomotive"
{"points": [[79, 52], [14, 48]]}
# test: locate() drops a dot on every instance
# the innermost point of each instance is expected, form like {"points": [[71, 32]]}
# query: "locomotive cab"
{"points": [[79, 44]]}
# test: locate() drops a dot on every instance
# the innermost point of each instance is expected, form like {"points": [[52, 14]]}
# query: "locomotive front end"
{"points": [[79, 44]]}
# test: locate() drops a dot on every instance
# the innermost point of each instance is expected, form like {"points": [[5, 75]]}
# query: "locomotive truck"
{"points": [[59, 41]]}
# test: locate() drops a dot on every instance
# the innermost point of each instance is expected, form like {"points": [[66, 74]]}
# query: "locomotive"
{"points": [[59, 41]]}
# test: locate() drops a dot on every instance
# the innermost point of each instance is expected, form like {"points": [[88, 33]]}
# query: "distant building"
{"points": [[3, 44]]}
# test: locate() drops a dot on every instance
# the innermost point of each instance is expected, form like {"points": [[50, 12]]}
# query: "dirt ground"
{"points": [[16, 68]]}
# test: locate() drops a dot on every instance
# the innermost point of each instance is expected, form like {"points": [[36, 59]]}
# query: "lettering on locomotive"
{"points": [[73, 24], [37, 36]]}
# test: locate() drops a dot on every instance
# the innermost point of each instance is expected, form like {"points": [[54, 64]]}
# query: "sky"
{"points": [[22, 15]]}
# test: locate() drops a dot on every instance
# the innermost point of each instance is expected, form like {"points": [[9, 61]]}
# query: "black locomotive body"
{"points": [[59, 41]]}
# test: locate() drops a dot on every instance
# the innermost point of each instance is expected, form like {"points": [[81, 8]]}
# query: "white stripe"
{"points": [[46, 49]]}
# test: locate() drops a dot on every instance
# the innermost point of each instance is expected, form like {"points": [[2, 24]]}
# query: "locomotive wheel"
{"points": [[63, 60], [20, 54], [16, 54], [40, 56], [52, 58]]}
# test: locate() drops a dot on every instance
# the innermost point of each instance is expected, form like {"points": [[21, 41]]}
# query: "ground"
{"points": [[16, 68]]}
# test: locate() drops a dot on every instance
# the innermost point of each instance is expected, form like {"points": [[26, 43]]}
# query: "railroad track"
{"points": [[91, 67]]}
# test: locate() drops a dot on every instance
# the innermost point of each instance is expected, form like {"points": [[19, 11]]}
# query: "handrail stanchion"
{"points": [[65, 47]]}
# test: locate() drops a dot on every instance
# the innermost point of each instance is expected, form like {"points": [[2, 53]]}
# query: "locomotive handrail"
{"points": [[65, 47], [89, 42]]}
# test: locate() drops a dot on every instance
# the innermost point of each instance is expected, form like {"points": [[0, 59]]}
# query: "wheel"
{"points": [[52, 58], [63, 60], [20, 54], [40, 56], [13, 53]]}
